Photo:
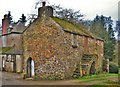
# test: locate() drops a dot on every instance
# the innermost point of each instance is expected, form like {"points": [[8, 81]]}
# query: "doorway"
{"points": [[30, 68], [92, 69], [3, 63]]}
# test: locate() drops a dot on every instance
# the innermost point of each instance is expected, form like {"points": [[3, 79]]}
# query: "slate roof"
{"points": [[19, 27]]}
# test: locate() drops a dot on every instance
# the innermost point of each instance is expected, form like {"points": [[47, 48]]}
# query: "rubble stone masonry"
{"points": [[51, 49]]}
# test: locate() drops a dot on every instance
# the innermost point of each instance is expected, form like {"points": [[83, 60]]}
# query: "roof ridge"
{"points": [[75, 28]]}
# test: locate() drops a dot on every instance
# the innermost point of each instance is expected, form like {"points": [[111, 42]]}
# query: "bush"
{"points": [[113, 68]]}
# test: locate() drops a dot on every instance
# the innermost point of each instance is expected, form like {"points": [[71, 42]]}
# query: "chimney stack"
{"points": [[47, 11], [5, 24], [43, 3]]}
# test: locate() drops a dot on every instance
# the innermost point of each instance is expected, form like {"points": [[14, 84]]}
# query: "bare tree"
{"points": [[68, 14]]}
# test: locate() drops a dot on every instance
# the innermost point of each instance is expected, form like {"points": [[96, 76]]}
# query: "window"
{"points": [[96, 46], [12, 58], [74, 41], [7, 59]]}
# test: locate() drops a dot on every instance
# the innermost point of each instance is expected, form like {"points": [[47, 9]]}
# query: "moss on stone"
{"points": [[79, 29]]}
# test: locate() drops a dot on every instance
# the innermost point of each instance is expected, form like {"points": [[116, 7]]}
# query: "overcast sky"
{"points": [[90, 8]]}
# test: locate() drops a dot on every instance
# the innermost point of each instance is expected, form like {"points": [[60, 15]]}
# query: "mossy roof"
{"points": [[6, 50], [74, 28]]}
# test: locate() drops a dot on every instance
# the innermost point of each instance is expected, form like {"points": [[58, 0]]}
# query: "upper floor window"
{"points": [[74, 41]]}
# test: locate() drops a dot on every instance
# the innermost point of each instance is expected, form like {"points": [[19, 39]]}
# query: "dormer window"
{"points": [[74, 41]]}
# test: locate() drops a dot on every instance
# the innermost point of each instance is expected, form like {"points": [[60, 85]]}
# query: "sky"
{"points": [[90, 8]]}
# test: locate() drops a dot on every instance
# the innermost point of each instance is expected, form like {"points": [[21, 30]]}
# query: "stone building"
{"points": [[12, 51], [57, 49], [53, 48]]}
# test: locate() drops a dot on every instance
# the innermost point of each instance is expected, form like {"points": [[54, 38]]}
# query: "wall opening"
{"points": [[3, 63], [30, 67], [14, 63], [92, 69]]}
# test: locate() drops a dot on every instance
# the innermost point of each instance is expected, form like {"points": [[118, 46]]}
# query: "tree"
{"points": [[10, 17], [87, 24], [68, 14], [23, 18], [118, 29], [103, 27]]}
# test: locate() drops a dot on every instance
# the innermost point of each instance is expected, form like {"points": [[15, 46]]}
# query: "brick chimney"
{"points": [[5, 24], [45, 10]]}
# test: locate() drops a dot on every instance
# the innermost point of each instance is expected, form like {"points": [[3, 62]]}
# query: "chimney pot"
{"points": [[43, 3], [5, 16]]}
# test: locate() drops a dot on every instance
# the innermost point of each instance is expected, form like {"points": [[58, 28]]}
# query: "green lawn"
{"points": [[98, 76], [104, 81], [96, 85]]}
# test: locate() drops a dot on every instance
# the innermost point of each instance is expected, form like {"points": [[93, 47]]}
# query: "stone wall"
{"points": [[106, 65], [19, 61], [95, 48], [52, 49], [15, 40]]}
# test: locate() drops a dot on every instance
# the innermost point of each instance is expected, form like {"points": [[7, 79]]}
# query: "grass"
{"points": [[119, 71], [100, 79], [96, 85], [71, 27], [95, 79], [98, 76], [111, 83]]}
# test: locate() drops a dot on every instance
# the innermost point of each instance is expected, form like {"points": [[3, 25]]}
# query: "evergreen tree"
{"points": [[10, 17], [103, 27], [23, 18], [118, 29]]}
